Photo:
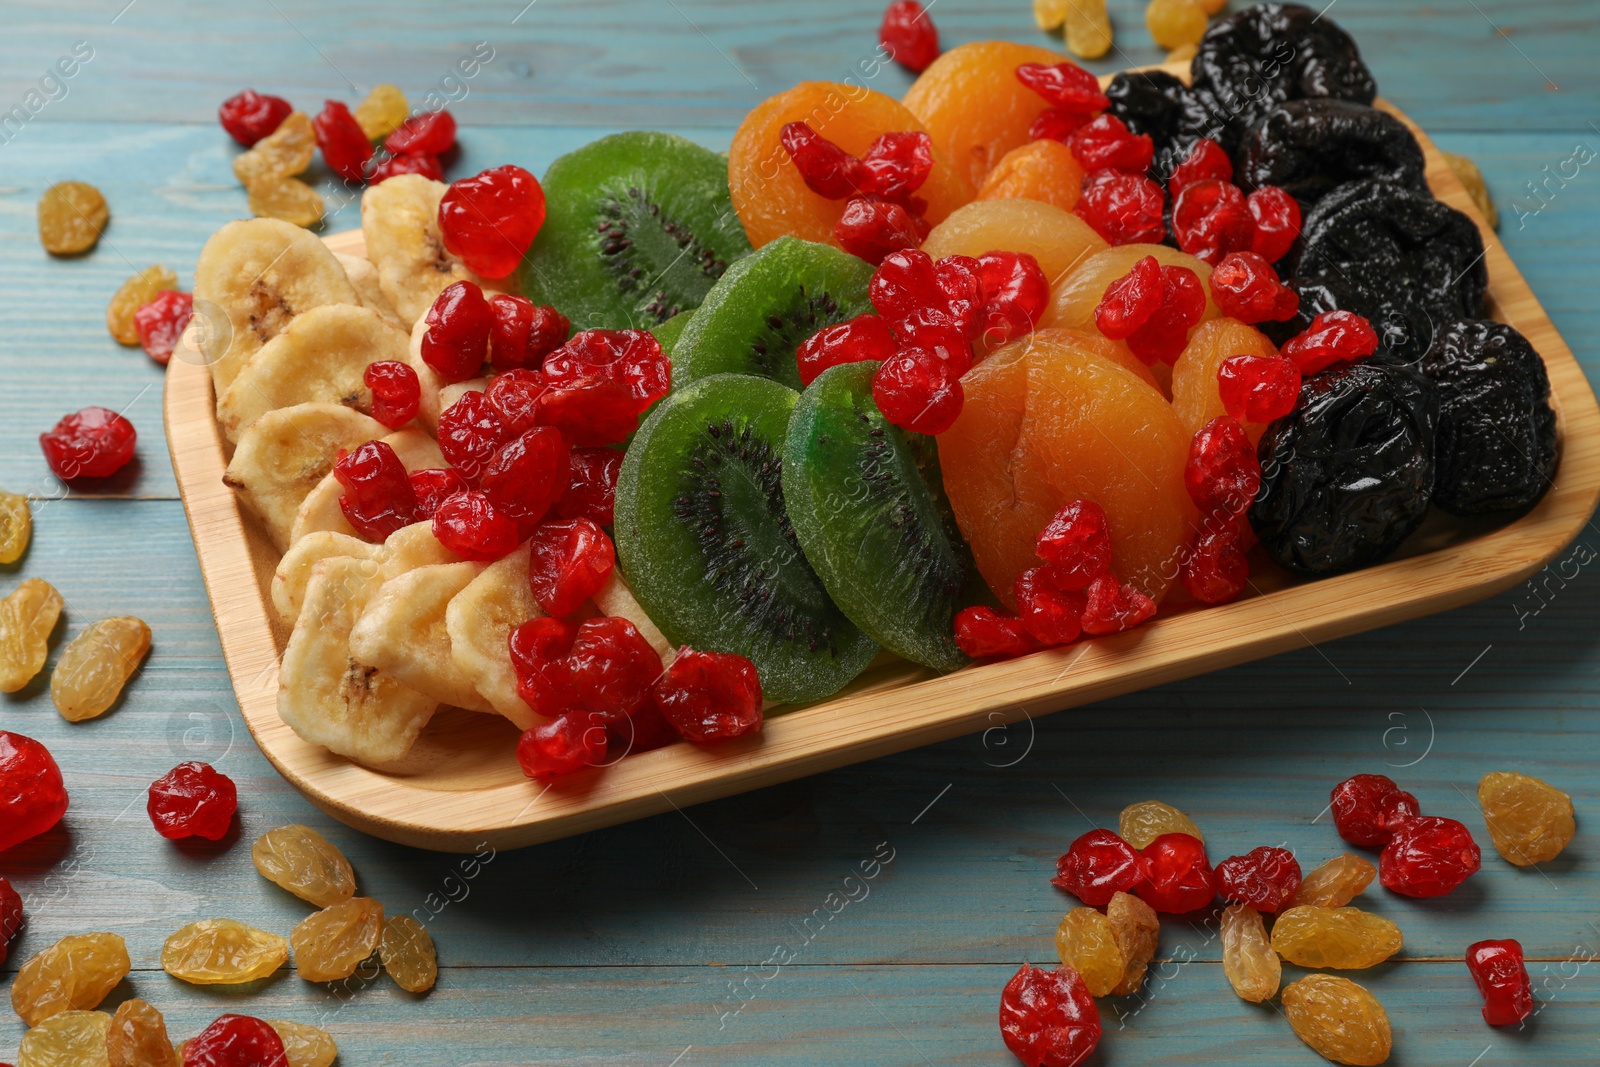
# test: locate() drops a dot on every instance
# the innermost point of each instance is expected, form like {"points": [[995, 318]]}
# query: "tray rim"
{"points": [[905, 708]]}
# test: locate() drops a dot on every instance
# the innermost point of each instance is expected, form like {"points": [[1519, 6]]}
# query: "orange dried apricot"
{"points": [[1117, 351], [1073, 300], [1194, 376], [1039, 170], [1058, 239]]}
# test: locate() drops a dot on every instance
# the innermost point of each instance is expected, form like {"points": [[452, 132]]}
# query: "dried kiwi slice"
{"points": [[707, 547], [639, 226], [752, 320], [668, 333], [867, 506]]}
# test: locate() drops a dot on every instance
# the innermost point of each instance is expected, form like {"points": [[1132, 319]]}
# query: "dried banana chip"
{"points": [[402, 632], [480, 620], [320, 509], [428, 379], [289, 581], [456, 390], [364, 280], [615, 598], [414, 546], [400, 221]]}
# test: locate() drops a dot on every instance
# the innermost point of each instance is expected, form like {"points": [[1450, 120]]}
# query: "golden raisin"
{"points": [[1471, 177], [1339, 1019], [382, 112], [1087, 944], [1138, 934], [1248, 960], [289, 199], [92, 670], [27, 618], [1050, 14], [16, 526], [1088, 28], [135, 293], [1336, 882], [222, 952], [71, 218], [332, 943], [1175, 23], [74, 973], [408, 954], [283, 152], [1141, 823], [1530, 820], [70, 1039], [299, 859], [305, 1046], [138, 1037], [1341, 939]]}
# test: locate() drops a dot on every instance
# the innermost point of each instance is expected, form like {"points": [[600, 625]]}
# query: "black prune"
{"points": [[1394, 255], [1250, 62], [1153, 102], [1307, 147], [1497, 449], [1348, 474]]}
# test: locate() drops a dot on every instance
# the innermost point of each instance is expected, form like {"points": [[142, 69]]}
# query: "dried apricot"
{"points": [[332, 943], [16, 526], [285, 151], [222, 952], [70, 1039], [289, 199], [27, 618], [1058, 239], [299, 859], [95, 666], [1086, 942], [408, 954], [1248, 960], [1039, 170], [382, 112], [1074, 298], [74, 973], [138, 1037], [1341, 939], [1138, 933], [1141, 823], [304, 1045], [1339, 1019], [1530, 820], [1195, 394], [1336, 882], [72, 215], [134, 294]]}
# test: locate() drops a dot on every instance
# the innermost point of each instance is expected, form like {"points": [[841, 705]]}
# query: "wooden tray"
{"points": [[461, 787]]}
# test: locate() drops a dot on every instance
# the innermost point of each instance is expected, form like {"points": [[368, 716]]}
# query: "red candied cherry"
{"points": [[1106, 143], [249, 116], [1049, 1018], [1428, 856], [1076, 544], [645, 730], [193, 800], [1015, 294], [1111, 607], [528, 474], [469, 525], [514, 397], [1052, 615], [568, 562], [523, 333], [1163, 336], [1246, 287], [865, 337], [590, 412], [470, 433], [592, 490], [392, 164], [345, 148], [1333, 337], [456, 342], [10, 917], [1258, 388], [982, 632], [1265, 878], [433, 487], [896, 165], [1211, 219], [377, 498], [918, 391], [236, 1041], [565, 744], [709, 697], [1206, 161], [1277, 219], [604, 666], [1056, 124], [1128, 302], [827, 169], [396, 392], [1502, 977], [1064, 85], [32, 796], [1178, 877], [872, 229], [161, 322], [1222, 473], [1098, 866], [631, 358], [1368, 808], [94, 443], [1216, 570], [904, 283], [909, 34], [431, 133], [491, 218]]}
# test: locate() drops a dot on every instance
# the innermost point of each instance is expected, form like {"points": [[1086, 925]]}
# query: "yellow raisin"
{"points": [[74, 973], [222, 952], [71, 218], [1530, 820], [70, 1039], [1339, 1019], [289, 199], [382, 112], [138, 1037], [1469, 174], [1141, 823], [1341, 939], [305, 1046], [16, 526], [1336, 882], [27, 618], [1050, 14], [1086, 943], [1088, 28], [1248, 960], [95, 666], [408, 954], [1174, 23], [281, 153], [1138, 934], [332, 943], [135, 293], [299, 859]]}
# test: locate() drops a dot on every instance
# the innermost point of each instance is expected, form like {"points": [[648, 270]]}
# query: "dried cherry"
{"points": [[567, 743], [523, 333], [491, 218], [235, 1041], [32, 796], [1265, 878], [470, 525], [431, 133], [632, 359], [396, 391], [909, 35], [193, 800], [1502, 977], [345, 147], [161, 322], [249, 116], [94, 443], [592, 492], [528, 474], [604, 666], [568, 562], [377, 498], [1367, 808], [865, 337], [1178, 877], [982, 632], [1428, 856], [1097, 866], [1076, 544], [1049, 1018], [709, 697], [1123, 208], [456, 342]]}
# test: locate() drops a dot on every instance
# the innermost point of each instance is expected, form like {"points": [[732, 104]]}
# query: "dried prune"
{"points": [[1258, 58], [1497, 447], [1396, 256], [1154, 103], [1348, 475], [1308, 147]]}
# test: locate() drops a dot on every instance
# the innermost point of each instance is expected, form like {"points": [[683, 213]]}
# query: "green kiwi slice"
{"points": [[755, 317], [869, 511], [707, 548], [637, 228], [668, 332]]}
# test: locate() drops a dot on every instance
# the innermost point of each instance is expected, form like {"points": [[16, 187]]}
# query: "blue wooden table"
{"points": [[653, 943]]}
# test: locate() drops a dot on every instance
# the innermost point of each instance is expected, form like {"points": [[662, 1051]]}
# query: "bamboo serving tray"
{"points": [[461, 787]]}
